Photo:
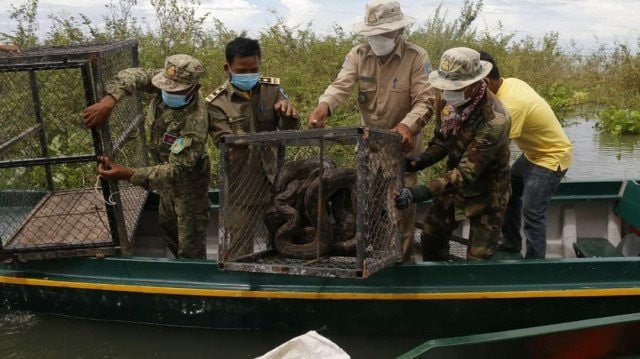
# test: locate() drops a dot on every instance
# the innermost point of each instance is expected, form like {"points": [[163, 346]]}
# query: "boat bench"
{"points": [[595, 247], [601, 247]]}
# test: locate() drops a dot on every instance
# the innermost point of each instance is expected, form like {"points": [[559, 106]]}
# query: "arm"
{"points": [[475, 159], [286, 114], [422, 95], [181, 163], [435, 151], [218, 124], [130, 81], [337, 92], [125, 83]]}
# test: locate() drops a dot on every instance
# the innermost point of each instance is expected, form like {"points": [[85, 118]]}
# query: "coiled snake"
{"points": [[293, 218]]}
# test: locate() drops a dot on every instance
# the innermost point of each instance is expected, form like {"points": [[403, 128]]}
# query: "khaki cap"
{"points": [[381, 17], [459, 68], [180, 72]]}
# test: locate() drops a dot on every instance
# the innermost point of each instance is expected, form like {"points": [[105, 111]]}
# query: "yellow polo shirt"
{"points": [[534, 126]]}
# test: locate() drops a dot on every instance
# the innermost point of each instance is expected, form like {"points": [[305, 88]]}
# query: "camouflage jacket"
{"points": [[178, 136], [478, 159], [232, 111]]}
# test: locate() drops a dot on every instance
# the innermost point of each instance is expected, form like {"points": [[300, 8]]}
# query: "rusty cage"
{"points": [[317, 202], [51, 203]]}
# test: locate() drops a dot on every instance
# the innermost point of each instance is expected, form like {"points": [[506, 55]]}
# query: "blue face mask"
{"points": [[245, 82], [173, 100]]}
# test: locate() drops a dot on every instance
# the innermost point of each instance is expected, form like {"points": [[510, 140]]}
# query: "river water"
{"points": [[596, 156]]}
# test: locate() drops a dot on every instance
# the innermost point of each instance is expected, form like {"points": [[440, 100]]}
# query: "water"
{"points": [[599, 155], [45, 336], [596, 156]]}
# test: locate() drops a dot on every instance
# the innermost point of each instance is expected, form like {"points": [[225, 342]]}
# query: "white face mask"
{"points": [[381, 45], [455, 98]]}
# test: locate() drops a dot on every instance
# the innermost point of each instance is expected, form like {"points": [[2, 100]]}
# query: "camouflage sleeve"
{"points": [[185, 158], [218, 124], [130, 81], [479, 153], [286, 123], [435, 151]]}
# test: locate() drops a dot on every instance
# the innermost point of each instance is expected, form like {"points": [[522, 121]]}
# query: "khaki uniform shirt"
{"points": [[397, 91], [233, 111]]}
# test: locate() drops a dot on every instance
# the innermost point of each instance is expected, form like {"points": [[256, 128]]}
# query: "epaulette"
{"points": [[212, 96], [270, 80]]}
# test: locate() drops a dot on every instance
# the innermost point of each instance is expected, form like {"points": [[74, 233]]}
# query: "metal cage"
{"points": [[316, 202], [51, 204]]}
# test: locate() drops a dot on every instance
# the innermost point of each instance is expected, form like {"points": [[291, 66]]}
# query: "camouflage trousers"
{"points": [[440, 222], [185, 221], [247, 232]]}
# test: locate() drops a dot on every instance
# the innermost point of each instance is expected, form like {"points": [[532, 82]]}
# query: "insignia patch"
{"points": [[168, 138], [171, 71], [445, 65], [372, 19], [178, 145], [446, 110], [427, 68]]}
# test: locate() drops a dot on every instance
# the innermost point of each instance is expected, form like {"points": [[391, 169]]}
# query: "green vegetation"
{"points": [[571, 80], [619, 122]]}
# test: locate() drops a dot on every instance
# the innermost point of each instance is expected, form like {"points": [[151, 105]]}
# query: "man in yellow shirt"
{"points": [[536, 173]]}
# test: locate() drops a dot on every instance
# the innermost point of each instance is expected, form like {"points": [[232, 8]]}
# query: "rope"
{"points": [[109, 201]]}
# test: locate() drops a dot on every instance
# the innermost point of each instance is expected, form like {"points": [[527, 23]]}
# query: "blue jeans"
{"points": [[532, 187]]}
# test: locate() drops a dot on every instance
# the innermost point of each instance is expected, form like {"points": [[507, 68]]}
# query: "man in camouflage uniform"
{"points": [[393, 88], [473, 131], [248, 103], [179, 130]]}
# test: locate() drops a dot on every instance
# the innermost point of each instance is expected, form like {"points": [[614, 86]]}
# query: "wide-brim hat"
{"points": [[180, 72], [382, 17], [459, 68]]}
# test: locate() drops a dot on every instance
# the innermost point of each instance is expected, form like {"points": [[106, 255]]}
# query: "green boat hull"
{"points": [[425, 299], [432, 300]]}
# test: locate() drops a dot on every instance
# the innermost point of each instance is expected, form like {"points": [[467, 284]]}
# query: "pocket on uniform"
{"points": [[366, 90], [399, 86]]}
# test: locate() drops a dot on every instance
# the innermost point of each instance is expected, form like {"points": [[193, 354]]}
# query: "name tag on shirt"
{"points": [[168, 138]]}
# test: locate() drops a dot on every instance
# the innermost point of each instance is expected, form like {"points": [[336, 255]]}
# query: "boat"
{"points": [[430, 299], [607, 337]]}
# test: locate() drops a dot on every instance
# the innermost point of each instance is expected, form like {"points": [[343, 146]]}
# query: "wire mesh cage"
{"points": [[51, 202], [317, 202]]}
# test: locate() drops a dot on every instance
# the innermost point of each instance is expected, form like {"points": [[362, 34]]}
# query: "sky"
{"points": [[585, 22]]}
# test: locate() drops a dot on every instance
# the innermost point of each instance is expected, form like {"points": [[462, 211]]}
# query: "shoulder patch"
{"points": [[179, 144], [212, 96], [270, 80]]}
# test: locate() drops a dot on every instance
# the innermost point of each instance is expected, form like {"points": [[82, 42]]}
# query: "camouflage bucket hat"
{"points": [[180, 72], [459, 68], [381, 17]]}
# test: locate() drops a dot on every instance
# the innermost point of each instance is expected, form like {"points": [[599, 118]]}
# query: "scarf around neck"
{"points": [[452, 119]]}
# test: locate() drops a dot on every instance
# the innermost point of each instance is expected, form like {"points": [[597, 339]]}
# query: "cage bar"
{"points": [[49, 204], [317, 202]]}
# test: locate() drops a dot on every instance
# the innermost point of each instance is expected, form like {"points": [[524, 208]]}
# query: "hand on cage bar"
{"points": [[9, 48], [317, 118], [111, 170], [285, 108], [407, 140], [96, 114], [404, 198]]}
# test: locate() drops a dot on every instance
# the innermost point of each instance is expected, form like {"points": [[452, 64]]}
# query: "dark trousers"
{"points": [[532, 187]]}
